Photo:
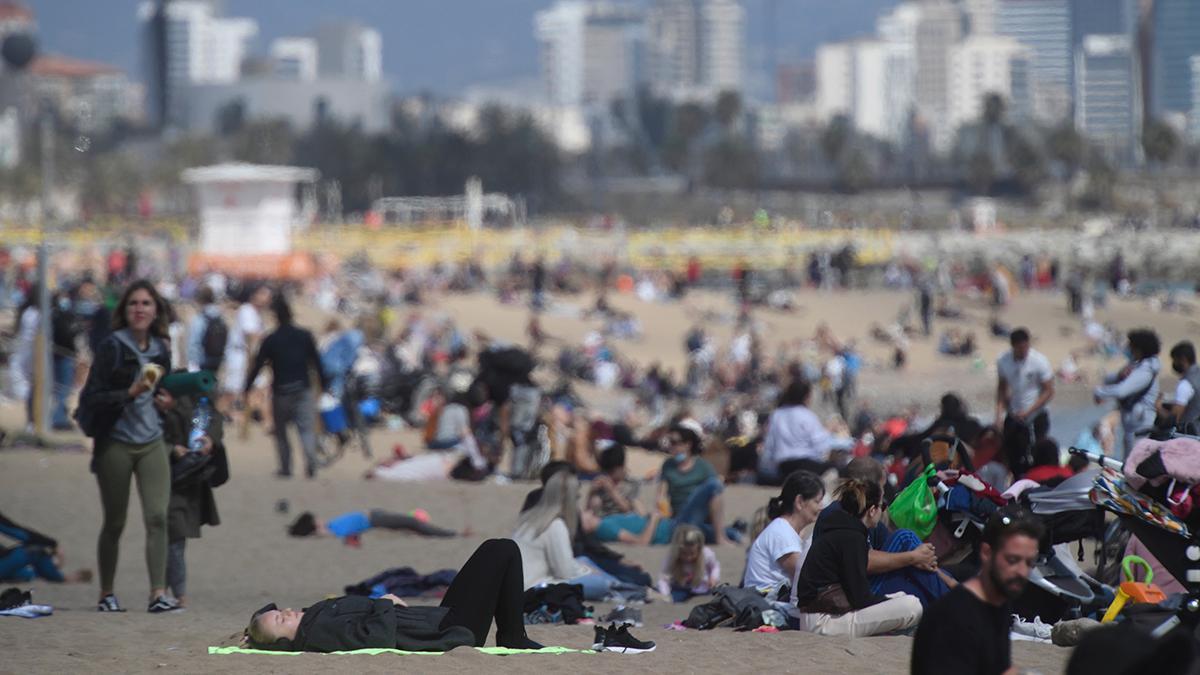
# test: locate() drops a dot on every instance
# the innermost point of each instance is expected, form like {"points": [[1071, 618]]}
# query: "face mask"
{"points": [[681, 457], [1128, 353], [1178, 370]]}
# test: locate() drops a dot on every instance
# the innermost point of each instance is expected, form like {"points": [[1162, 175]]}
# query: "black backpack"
{"points": [[216, 335]]}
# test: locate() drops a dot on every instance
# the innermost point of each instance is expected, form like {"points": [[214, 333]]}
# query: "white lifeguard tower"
{"points": [[249, 209]]}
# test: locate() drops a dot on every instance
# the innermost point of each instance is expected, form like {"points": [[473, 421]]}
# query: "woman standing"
{"points": [[117, 410], [1135, 387]]}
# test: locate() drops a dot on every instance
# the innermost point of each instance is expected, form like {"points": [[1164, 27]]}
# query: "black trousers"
{"points": [[400, 521], [489, 586]]}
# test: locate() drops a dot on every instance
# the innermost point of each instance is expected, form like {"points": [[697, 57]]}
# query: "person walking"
{"points": [[1025, 385], [292, 354], [1135, 387], [116, 409]]}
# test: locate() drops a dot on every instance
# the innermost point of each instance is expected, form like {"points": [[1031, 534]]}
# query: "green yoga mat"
{"points": [[189, 384], [499, 651]]}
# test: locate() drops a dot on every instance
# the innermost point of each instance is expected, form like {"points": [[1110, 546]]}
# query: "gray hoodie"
{"points": [[139, 422]]}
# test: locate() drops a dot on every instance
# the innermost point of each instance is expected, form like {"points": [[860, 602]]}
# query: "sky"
{"points": [[439, 46]]}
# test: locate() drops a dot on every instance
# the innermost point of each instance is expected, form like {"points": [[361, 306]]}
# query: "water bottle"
{"points": [[200, 421]]}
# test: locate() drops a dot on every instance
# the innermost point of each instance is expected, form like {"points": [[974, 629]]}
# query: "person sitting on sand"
{"points": [[349, 526], [545, 534], [35, 557], [690, 485], [833, 593], [795, 439], [691, 568], [488, 588], [613, 513], [778, 553]]}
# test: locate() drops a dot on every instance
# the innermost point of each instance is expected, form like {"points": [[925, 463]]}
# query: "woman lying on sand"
{"points": [[489, 586]]}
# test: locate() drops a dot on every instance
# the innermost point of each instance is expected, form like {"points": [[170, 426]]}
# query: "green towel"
{"points": [[189, 384], [500, 651]]}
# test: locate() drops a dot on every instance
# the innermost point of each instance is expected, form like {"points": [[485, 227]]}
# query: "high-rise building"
{"points": [[1103, 17], [1044, 26], [349, 50], [1175, 40], [981, 16], [983, 65], [868, 81], [591, 52], [1194, 117], [1107, 93], [696, 46], [294, 58], [925, 32], [186, 43]]}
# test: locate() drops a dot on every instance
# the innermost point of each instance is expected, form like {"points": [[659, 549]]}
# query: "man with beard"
{"points": [[967, 630]]}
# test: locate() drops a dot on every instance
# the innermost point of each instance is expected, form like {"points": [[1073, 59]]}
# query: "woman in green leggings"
{"points": [[117, 410]]}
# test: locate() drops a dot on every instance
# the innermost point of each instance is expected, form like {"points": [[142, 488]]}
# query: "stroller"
{"points": [[1058, 587]]}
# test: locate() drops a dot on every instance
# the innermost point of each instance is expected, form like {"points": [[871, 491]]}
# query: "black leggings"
{"points": [[489, 586], [399, 521]]}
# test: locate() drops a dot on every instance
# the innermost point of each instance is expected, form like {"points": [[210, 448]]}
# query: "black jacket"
{"points": [[193, 477], [106, 390], [291, 351], [838, 556], [354, 622]]}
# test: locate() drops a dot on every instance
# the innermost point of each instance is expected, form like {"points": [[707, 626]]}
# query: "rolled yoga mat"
{"points": [[189, 384]]}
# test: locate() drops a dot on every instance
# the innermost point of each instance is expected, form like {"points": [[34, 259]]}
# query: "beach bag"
{"points": [[830, 600], [915, 508]]}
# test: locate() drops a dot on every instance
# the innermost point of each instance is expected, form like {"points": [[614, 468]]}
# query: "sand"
{"points": [[249, 560]]}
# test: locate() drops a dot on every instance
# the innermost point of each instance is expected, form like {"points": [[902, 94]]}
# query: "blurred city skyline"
{"points": [[448, 46]]}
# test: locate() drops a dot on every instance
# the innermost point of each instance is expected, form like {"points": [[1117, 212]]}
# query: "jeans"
{"points": [[64, 379], [295, 407], [698, 508], [600, 585], [25, 564], [925, 586]]}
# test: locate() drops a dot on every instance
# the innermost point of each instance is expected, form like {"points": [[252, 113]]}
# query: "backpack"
{"points": [[216, 335]]}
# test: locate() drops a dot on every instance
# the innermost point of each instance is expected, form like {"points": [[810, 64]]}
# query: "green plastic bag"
{"points": [[915, 508]]}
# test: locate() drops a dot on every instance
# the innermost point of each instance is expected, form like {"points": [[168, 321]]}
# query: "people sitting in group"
{"points": [[690, 485], [833, 592], [691, 568], [967, 631], [896, 561], [35, 556], [613, 513], [488, 588], [350, 526], [777, 554], [545, 533], [956, 343]]}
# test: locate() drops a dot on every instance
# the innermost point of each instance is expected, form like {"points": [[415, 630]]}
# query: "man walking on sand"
{"points": [[967, 631], [1025, 385]]}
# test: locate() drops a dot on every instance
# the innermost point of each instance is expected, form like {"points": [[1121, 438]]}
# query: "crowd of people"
{"points": [[829, 563]]}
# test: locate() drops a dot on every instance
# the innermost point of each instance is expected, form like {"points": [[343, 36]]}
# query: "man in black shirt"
{"points": [[967, 631], [292, 353]]}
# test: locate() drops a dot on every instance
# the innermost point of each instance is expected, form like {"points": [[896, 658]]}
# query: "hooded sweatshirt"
{"points": [[838, 556], [1135, 394], [139, 422], [355, 622]]}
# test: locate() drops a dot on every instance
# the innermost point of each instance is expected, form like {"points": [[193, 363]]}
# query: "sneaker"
{"points": [[163, 604], [626, 615], [620, 641], [598, 640], [109, 604]]}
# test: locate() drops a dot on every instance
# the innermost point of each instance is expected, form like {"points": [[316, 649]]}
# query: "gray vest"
{"points": [[1188, 420]]}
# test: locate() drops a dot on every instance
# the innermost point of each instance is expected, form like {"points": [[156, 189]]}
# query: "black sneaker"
{"points": [[109, 604], [620, 641], [598, 640], [163, 604]]}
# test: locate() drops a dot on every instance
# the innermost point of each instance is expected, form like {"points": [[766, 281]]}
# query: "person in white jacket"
{"points": [[796, 439], [1135, 387]]}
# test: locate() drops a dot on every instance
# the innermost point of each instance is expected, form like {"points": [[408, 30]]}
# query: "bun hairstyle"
{"points": [[857, 497], [803, 484]]}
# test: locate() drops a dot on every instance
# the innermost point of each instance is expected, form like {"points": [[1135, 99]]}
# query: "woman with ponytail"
{"points": [[833, 593], [777, 554]]}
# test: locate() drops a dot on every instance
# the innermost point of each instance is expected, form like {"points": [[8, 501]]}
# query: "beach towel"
{"points": [[496, 651], [1113, 494]]}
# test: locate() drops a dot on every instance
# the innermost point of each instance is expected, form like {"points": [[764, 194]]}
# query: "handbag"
{"points": [[830, 600], [915, 508]]}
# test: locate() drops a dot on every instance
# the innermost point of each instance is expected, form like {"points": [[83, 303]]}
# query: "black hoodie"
{"points": [[838, 556], [354, 622]]}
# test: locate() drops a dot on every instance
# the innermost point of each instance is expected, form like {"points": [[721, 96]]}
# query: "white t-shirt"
{"points": [[1024, 378], [1184, 392], [248, 322], [762, 563]]}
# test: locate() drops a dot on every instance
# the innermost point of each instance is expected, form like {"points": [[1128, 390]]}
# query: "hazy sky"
{"points": [[437, 45]]}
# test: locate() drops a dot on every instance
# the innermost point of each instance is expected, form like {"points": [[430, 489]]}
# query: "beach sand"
{"points": [[249, 560]]}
